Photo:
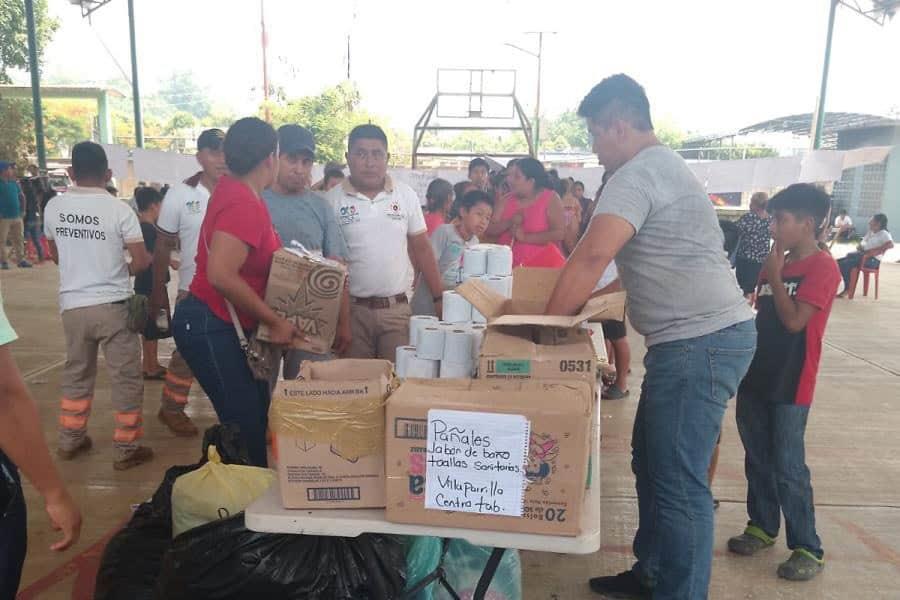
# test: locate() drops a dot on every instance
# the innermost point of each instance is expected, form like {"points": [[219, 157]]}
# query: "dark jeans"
{"points": [[12, 530], [850, 262], [775, 464], [211, 349], [747, 273], [684, 395], [34, 233]]}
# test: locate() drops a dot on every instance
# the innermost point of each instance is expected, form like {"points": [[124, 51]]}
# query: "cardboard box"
{"points": [[328, 434], [523, 343], [560, 414], [306, 289]]}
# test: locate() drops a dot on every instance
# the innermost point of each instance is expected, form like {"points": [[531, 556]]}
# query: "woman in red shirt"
{"points": [[237, 241], [439, 197]]}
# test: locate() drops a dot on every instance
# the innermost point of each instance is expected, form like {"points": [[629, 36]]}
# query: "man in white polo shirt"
{"points": [[88, 231], [384, 228], [179, 223]]}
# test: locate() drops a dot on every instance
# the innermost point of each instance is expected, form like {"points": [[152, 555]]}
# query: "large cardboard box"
{"points": [[328, 434], [523, 343], [306, 289], [560, 414]]}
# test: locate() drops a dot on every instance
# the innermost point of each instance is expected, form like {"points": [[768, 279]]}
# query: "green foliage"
{"points": [[179, 121], [180, 93], [566, 132], [16, 136], [61, 132], [14, 34]]}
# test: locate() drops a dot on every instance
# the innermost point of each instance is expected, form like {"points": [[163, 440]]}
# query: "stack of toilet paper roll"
{"points": [[439, 349]]}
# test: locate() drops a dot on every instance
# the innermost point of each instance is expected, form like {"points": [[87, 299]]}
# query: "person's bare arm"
{"points": [[22, 440], [424, 260], [140, 258], [54, 251], [556, 230], [793, 315], [605, 236], [22, 201], [498, 225], [165, 244]]}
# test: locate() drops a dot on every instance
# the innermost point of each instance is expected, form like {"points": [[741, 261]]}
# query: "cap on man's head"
{"points": [[212, 139], [294, 139]]}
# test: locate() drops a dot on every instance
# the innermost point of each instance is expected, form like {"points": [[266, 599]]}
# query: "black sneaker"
{"points": [[624, 586]]}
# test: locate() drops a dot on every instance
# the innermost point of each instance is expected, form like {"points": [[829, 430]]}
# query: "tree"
{"points": [[16, 138], [14, 34], [565, 132], [62, 132], [181, 93], [180, 121]]}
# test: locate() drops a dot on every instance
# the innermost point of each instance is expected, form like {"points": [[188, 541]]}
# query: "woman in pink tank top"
{"points": [[531, 217]]}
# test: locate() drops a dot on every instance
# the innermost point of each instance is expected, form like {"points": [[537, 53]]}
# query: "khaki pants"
{"points": [[88, 329], [377, 332], [179, 378], [12, 230]]}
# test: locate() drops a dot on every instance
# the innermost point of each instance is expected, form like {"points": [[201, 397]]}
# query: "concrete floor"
{"points": [[852, 447]]}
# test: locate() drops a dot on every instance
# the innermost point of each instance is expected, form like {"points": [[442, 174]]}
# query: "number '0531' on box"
{"points": [[467, 489]]}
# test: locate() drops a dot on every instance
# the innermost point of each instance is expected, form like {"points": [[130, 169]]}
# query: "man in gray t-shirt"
{"points": [[306, 218], [656, 221]]}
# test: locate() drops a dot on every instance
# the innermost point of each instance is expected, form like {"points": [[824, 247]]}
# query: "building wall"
{"points": [[871, 189]]}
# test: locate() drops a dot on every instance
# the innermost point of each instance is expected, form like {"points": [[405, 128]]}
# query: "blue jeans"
{"points": [[775, 463], [683, 398], [34, 232], [850, 262], [211, 349], [13, 538]]}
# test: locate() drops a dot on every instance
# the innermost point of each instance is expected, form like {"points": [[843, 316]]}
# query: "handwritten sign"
{"points": [[475, 462]]}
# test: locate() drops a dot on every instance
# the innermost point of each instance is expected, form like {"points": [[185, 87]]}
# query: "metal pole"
{"points": [[537, 106], [34, 67], [262, 20], [135, 89], [819, 122]]}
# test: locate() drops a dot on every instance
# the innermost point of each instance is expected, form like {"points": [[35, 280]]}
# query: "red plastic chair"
{"points": [[854, 274]]}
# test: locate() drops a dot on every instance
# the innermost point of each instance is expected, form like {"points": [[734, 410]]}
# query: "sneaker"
{"points": [[24, 264], [4, 266], [138, 456], [624, 586], [750, 542], [614, 393], [803, 565], [178, 423], [71, 453]]}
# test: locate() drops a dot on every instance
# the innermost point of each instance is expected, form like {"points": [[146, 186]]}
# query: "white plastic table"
{"points": [[267, 515]]}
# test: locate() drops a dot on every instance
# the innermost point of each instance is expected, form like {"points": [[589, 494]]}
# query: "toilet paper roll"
{"points": [[402, 359], [499, 260], [417, 324], [456, 308], [458, 346], [422, 368], [477, 317], [474, 261], [476, 335], [452, 370], [497, 283], [431, 343]]}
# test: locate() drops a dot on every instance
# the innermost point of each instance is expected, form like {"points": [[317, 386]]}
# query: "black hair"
{"points": [[439, 191], [843, 211], [248, 143], [331, 173], [367, 132], [89, 161], [533, 169], [618, 97], [581, 183], [110, 188], [478, 162], [472, 198], [146, 197], [881, 219], [804, 200], [511, 162]]}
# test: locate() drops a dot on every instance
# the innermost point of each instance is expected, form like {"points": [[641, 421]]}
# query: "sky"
{"points": [[707, 65]]}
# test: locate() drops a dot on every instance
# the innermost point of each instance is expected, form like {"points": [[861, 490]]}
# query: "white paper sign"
{"points": [[476, 462]]}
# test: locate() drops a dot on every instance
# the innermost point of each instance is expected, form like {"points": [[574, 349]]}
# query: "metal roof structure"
{"points": [[835, 122]]}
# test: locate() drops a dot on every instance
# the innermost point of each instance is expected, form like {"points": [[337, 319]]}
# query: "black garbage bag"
{"points": [[132, 559], [223, 560]]}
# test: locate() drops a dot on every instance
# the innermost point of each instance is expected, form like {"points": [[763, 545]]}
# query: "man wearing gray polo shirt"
{"points": [[655, 219], [302, 216]]}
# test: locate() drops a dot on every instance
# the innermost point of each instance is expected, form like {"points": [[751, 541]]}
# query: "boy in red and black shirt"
{"points": [[795, 293]]}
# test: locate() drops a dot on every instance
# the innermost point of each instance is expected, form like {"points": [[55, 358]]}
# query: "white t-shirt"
{"points": [[876, 240], [843, 221], [376, 232], [609, 275], [91, 229], [182, 214]]}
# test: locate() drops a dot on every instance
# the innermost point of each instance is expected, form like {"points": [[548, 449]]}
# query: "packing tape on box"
{"points": [[474, 261], [417, 324], [431, 343], [476, 334], [456, 308], [421, 368], [458, 346], [499, 260], [402, 359], [454, 370], [353, 429]]}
